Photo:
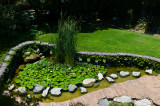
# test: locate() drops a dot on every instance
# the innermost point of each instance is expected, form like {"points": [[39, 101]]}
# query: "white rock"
{"points": [[72, 88], [45, 92], [110, 80], [142, 102], [114, 76], [149, 71], [100, 76], [16, 90], [42, 57], [83, 90], [88, 82], [6, 93], [124, 74], [136, 73], [103, 102], [38, 88], [123, 99], [22, 90], [56, 91], [11, 87], [29, 96]]}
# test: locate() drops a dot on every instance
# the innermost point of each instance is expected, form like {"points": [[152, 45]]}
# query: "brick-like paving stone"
{"points": [[146, 86]]}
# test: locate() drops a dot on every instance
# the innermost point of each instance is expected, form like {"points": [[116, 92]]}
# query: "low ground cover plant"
{"points": [[58, 75]]}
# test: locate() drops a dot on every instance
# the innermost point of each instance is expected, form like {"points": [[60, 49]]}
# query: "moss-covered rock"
{"points": [[33, 57]]}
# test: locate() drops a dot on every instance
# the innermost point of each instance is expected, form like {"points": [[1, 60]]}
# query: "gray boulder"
{"points": [[100, 76], [11, 87], [11, 52], [114, 76], [45, 92], [83, 90], [7, 58], [38, 88], [143, 102], [123, 99], [136, 73], [56, 91], [72, 88], [31, 58], [124, 74], [22, 90], [103, 102], [88, 82], [110, 80], [29, 96], [149, 71]]}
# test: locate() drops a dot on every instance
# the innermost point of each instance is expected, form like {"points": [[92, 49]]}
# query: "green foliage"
{"points": [[66, 41], [59, 75], [120, 104], [142, 24], [122, 61]]}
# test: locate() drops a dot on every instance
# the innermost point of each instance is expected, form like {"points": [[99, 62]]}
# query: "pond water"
{"points": [[102, 84]]}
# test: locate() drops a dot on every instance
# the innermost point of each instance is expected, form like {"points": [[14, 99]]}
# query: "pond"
{"points": [[67, 95]]}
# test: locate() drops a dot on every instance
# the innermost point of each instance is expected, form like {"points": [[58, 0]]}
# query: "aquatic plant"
{"points": [[66, 41], [58, 75]]}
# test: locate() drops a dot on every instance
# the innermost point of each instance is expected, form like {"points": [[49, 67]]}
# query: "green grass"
{"points": [[114, 40]]}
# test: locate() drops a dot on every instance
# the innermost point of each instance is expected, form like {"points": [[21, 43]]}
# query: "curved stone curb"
{"points": [[15, 49], [146, 86], [119, 54]]}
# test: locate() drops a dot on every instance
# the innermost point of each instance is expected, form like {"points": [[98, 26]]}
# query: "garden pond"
{"points": [[65, 94]]}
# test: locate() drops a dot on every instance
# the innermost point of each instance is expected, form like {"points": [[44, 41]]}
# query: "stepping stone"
{"points": [[136, 73], [110, 80], [123, 99], [114, 76], [11, 87], [29, 96], [100, 76], [83, 90], [56, 91], [124, 74], [103, 102], [45, 92], [21, 90], [149, 71], [88, 82], [72, 88], [143, 102], [38, 88]]}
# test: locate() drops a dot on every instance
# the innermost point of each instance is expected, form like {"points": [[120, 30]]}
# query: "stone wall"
{"points": [[14, 56]]}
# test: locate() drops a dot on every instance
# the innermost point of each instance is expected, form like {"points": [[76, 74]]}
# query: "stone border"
{"points": [[13, 51], [119, 54]]}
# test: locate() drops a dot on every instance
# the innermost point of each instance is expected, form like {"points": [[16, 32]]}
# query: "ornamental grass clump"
{"points": [[66, 41]]}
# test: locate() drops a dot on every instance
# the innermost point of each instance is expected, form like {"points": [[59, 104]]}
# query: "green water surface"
{"points": [[102, 84]]}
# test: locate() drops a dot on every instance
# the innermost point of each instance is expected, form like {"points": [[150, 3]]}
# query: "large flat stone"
{"points": [[143, 102], [38, 88], [88, 82], [56, 91], [124, 74], [123, 99]]}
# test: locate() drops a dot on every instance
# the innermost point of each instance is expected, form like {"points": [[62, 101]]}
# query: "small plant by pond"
{"points": [[58, 75]]}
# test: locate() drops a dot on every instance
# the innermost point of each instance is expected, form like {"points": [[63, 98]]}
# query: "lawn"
{"points": [[109, 40], [114, 40]]}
